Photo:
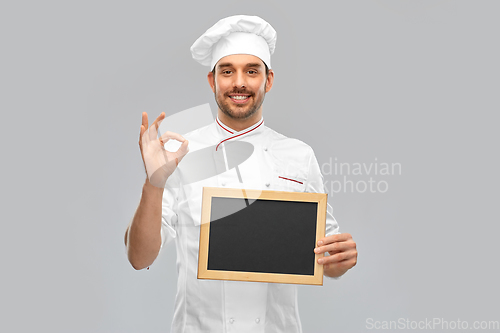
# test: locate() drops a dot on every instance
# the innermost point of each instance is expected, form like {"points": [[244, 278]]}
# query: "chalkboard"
{"points": [[261, 236]]}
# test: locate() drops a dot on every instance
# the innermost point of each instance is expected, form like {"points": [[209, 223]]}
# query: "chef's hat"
{"points": [[239, 34]]}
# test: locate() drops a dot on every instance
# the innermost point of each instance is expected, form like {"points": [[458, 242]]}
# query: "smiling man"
{"points": [[241, 84], [238, 50]]}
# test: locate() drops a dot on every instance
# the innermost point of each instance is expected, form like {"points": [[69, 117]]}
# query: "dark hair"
{"points": [[267, 70]]}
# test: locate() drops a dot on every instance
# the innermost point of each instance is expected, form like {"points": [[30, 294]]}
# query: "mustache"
{"points": [[240, 91]]}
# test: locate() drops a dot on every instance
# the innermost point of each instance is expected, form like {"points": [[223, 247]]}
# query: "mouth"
{"points": [[239, 98]]}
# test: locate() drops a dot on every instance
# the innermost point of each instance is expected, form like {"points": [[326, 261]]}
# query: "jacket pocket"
{"points": [[292, 182]]}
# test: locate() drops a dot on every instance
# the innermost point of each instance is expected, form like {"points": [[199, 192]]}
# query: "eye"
{"points": [[227, 71], [252, 71]]}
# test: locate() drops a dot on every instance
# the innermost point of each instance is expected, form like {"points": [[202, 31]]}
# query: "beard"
{"points": [[237, 111]]}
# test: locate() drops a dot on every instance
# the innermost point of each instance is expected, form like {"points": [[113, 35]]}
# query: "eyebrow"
{"points": [[228, 64], [254, 65]]}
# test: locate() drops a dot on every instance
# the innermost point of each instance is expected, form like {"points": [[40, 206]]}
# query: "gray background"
{"points": [[410, 82]]}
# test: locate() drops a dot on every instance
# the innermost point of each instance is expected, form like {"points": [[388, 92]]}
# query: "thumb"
{"points": [[182, 151]]}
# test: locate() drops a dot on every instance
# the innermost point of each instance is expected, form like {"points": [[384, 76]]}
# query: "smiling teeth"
{"points": [[239, 97]]}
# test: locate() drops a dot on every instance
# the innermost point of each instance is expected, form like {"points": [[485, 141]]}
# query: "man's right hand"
{"points": [[159, 162]]}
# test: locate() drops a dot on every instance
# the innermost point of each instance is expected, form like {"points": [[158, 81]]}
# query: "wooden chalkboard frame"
{"points": [[210, 192]]}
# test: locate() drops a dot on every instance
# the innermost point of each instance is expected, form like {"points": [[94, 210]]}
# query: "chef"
{"points": [[238, 51]]}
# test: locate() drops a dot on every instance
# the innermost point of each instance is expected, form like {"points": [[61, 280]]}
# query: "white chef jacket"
{"points": [[277, 163]]}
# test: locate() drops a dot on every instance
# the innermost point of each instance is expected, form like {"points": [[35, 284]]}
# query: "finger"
{"points": [[153, 130], [145, 141], [335, 247], [144, 126], [337, 257], [171, 135], [334, 238], [158, 120], [343, 265], [141, 135], [181, 152]]}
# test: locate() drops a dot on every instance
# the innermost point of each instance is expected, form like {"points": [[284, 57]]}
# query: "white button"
{"points": [[257, 320], [231, 320], [223, 184], [265, 148], [267, 184]]}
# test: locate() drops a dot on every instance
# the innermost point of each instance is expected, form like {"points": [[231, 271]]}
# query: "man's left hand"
{"points": [[342, 254]]}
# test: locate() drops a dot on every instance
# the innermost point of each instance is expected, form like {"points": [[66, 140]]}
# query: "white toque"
{"points": [[239, 34]]}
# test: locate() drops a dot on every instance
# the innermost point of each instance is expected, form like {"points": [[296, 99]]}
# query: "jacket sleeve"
{"points": [[315, 184], [169, 215]]}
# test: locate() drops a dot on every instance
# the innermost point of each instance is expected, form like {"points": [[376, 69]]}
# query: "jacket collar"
{"points": [[228, 133]]}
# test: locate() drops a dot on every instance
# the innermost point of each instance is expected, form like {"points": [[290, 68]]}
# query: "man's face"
{"points": [[240, 84]]}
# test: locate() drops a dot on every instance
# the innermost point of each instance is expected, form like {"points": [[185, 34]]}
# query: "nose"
{"points": [[240, 80]]}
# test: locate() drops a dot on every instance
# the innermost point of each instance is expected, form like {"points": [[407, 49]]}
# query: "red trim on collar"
{"points": [[217, 120], [232, 137], [293, 180]]}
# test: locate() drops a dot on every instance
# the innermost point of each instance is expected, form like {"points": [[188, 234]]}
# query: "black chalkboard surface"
{"points": [[262, 236]]}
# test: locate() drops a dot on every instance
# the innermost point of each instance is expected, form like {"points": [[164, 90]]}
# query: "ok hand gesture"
{"points": [[159, 162]]}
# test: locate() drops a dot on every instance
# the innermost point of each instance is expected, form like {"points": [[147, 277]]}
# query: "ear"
{"points": [[211, 81], [270, 80]]}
